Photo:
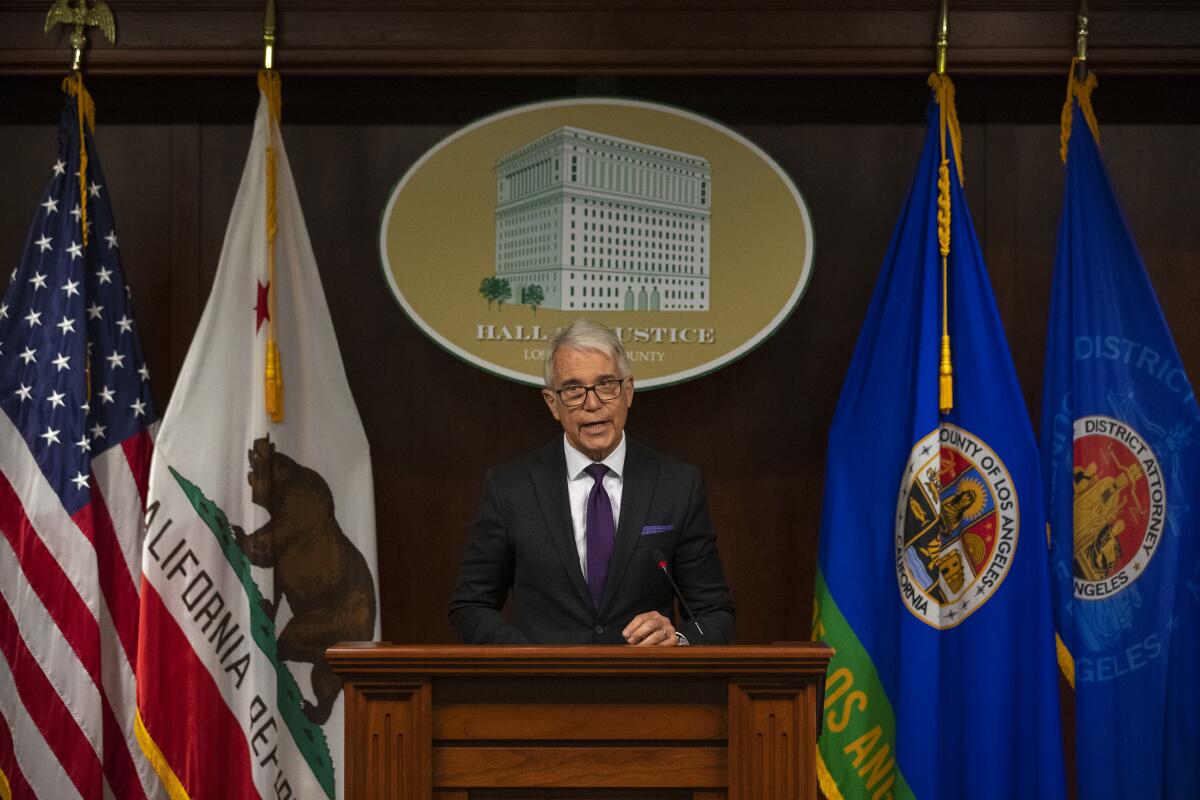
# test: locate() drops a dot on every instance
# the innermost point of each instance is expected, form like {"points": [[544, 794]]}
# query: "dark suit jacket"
{"points": [[523, 541]]}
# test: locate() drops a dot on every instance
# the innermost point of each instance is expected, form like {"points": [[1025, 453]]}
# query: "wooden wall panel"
{"points": [[173, 138], [173, 150], [698, 37]]}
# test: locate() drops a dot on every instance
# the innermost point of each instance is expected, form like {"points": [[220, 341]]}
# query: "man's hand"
{"points": [[650, 629]]}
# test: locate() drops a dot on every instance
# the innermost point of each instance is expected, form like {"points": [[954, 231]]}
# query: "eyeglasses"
{"points": [[606, 390]]}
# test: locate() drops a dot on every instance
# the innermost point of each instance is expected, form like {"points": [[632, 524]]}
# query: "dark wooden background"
{"points": [[835, 92]]}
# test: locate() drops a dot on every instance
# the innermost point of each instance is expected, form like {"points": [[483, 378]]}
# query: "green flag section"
{"points": [[857, 748], [309, 737], [934, 575]]}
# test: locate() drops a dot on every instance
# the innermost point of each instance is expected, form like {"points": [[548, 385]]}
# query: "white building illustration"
{"points": [[603, 223]]}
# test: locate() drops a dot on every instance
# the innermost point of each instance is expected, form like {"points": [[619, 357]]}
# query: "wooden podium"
{"points": [[467, 722]]}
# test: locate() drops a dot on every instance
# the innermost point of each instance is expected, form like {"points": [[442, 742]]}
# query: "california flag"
{"points": [[260, 541]]}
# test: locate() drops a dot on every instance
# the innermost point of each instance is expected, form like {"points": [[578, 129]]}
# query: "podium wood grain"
{"points": [[467, 723]]}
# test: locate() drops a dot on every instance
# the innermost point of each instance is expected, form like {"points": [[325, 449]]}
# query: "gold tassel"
{"points": [[947, 122], [269, 84], [1082, 91], [945, 375], [945, 367], [274, 382], [73, 86]]}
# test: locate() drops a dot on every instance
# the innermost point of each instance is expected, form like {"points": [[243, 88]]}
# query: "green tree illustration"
{"points": [[503, 291], [534, 297], [495, 290]]}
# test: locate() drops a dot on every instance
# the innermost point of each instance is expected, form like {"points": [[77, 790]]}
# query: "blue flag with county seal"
{"points": [[933, 580], [1120, 448]]}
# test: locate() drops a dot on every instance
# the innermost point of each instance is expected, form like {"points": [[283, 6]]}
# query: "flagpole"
{"points": [[1080, 83], [81, 18], [1081, 40], [944, 91], [941, 38], [269, 36]]}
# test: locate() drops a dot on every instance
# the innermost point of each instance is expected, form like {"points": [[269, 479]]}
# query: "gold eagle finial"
{"points": [[81, 17]]}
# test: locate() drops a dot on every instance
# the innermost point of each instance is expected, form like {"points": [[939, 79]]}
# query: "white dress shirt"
{"points": [[579, 486]]}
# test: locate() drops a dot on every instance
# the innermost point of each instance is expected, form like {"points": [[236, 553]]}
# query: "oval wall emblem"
{"points": [[682, 235]]}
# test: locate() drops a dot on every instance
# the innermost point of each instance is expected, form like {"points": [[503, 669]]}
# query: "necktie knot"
{"points": [[597, 471]]}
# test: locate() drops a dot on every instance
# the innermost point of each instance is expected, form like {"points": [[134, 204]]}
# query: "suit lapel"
{"points": [[637, 489], [549, 476]]}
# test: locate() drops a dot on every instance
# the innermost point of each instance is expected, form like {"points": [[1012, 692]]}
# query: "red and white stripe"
{"points": [[209, 755], [68, 625], [35, 763]]}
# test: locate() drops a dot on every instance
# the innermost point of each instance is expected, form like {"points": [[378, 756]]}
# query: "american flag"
{"points": [[75, 446]]}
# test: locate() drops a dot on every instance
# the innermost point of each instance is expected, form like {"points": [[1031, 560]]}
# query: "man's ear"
{"points": [[551, 402]]}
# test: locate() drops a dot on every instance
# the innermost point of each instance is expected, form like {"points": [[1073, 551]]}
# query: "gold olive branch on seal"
{"points": [[82, 17]]}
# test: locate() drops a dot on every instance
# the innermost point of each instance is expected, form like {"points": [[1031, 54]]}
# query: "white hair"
{"points": [[584, 334]]}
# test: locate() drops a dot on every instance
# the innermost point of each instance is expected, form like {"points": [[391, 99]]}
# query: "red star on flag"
{"points": [[261, 310]]}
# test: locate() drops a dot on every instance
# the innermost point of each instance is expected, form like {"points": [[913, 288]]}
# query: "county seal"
{"points": [[957, 522]]}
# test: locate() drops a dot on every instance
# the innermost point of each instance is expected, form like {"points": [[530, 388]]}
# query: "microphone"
{"points": [[661, 559]]}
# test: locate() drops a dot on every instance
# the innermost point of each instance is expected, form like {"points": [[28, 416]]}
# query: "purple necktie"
{"points": [[600, 533]]}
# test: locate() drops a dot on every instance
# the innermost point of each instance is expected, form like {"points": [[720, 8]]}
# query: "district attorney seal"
{"points": [[1120, 506]]}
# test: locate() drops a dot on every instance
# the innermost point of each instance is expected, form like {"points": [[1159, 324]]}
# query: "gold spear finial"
{"points": [[269, 36], [941, 38], [1081, 40], [82, 17]]}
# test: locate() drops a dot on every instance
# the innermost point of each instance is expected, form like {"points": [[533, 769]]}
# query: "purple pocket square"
{"points": [[651, 529]]}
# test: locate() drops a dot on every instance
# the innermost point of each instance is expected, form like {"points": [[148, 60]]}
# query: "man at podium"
{"points": [[588, 531]]}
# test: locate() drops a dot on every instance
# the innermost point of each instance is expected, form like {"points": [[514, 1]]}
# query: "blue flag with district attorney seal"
{"points": [[933, 581], [1120, 441]]}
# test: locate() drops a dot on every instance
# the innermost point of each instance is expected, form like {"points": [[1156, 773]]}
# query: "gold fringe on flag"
{"points": [[269, 84], [73, 86], [1083, 92], [943, 89], [825, 780], [5, 789], [170, 781], [1065, 662]]}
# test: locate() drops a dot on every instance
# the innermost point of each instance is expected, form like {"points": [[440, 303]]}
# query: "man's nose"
{"points": [[591, 400]]}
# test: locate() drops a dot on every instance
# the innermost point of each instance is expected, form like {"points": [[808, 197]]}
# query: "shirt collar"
{"points": [[577, 462]]}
